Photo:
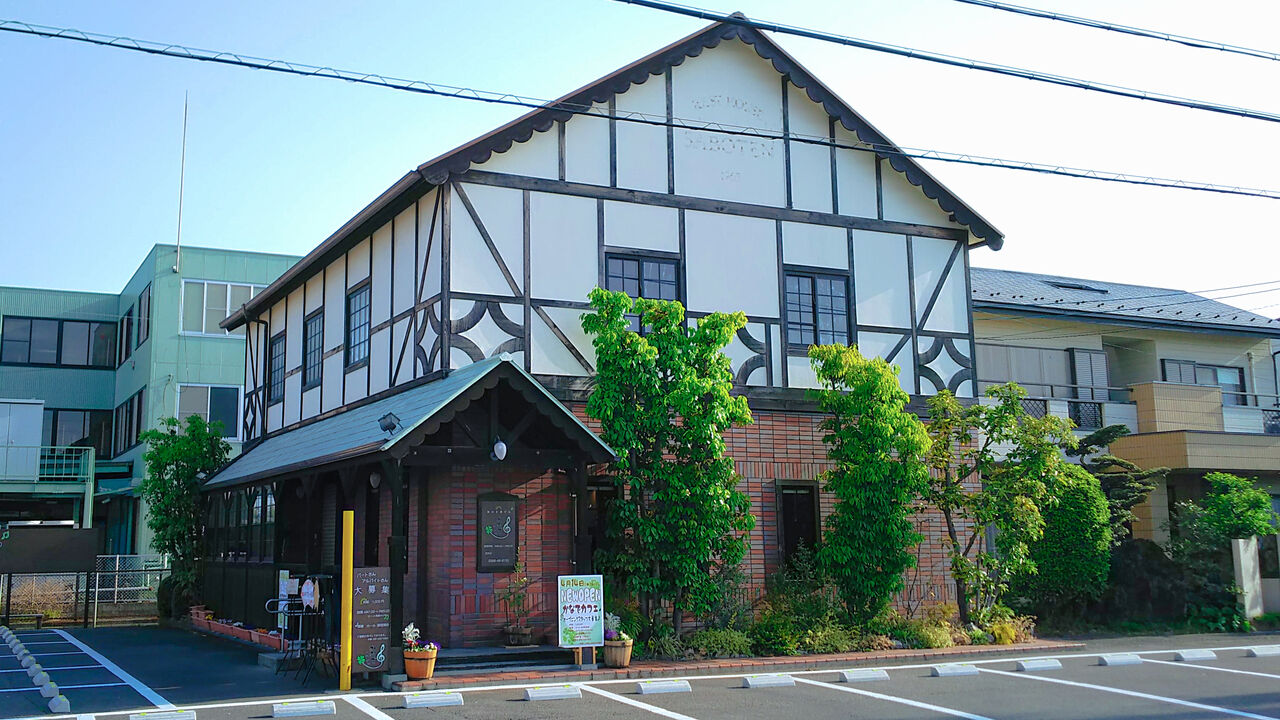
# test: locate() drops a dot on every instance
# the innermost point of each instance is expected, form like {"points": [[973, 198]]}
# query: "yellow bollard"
{"points": [[348, 585]]}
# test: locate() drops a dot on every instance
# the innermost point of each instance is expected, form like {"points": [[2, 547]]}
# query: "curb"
{"points": [[656, 669]]}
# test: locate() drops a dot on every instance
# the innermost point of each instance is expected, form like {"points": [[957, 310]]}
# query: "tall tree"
{"points": [[1124, 483], [663, 401], [993, 468], [878, 472], [178, 458]]}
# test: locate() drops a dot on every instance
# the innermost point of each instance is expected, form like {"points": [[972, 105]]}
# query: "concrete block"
{"points": [[867, 675], [1264, 651], [954, 670], [49, 690], [768, 681], [40, 678], [34, 669], [1194, 655], [61, 704], [553, 692], [390, 679], [164, 715], [303, 709], [657, 687], [436, 698], [28, 661], [1117, 659], [1037, 665]]}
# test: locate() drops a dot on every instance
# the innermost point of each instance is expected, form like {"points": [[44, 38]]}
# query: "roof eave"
{"points": [[1125, 320]]}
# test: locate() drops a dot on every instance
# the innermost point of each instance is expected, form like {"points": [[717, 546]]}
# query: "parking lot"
{"points": [[1156, 685]]}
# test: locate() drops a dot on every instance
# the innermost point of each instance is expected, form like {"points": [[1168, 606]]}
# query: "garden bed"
{"points": [[202, 621]]}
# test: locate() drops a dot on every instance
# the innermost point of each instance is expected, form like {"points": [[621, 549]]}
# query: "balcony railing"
{"points": [[50, 467]]}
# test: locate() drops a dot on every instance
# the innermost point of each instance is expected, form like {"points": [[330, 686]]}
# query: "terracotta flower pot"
{"points": [[617, 653], [420, 664]]}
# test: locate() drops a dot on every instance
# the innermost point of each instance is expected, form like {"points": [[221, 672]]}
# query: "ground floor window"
{"points": [[797, 517]]}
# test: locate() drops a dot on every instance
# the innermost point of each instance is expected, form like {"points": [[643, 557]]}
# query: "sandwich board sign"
{"points": [[580, 607]]}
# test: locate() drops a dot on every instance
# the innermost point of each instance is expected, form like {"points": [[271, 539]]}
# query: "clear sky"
{"points": [[90, 137]]}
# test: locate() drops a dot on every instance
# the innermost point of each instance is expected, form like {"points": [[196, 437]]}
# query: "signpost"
{"points": [[498, 536], [580, 607], [371, 617]]}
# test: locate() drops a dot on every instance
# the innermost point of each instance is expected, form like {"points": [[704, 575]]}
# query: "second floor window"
{"points": [[1230, 379], [275, 370], [67, 343], [206, 303], [144, 314], [312, 349], [358, 325], [641, 277], [130, 419], [125, 342], [78, 428], [817, 310], [211, 404]]}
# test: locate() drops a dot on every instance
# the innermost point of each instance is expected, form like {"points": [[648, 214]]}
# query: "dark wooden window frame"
{"points": [[276, 372], [814, 276], [779, 487], [350, 361], [312, 350]]}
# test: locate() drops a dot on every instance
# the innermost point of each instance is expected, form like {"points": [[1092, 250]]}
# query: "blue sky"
{"points": [[90, 137]]}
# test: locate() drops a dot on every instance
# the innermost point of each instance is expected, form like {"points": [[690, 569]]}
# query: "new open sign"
{"points": [[580, 603]]}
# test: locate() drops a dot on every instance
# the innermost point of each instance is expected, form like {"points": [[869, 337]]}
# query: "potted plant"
{"points": [[515, 603], [617, 644], [419, 657]]}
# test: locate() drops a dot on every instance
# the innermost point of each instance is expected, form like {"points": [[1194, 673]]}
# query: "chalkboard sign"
{"points": [[370, 618], [498, 533]]}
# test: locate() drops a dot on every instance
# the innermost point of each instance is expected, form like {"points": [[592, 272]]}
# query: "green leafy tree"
{"points": [[178, 458], [1124, 483], [663, 401], [878, 472], [1073, 559], [993, 468]]}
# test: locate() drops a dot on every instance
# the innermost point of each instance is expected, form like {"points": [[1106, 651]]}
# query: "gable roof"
{"points": [[436, 171], [355, 432], [1099, 301]]}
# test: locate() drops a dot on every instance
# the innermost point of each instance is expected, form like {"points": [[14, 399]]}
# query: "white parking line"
{"points": [[1134, 693], [152, 696], [1211, 667], [63, 687], [68, 652], [51, 669], [637, 704], [366, 708], [894, 698]]}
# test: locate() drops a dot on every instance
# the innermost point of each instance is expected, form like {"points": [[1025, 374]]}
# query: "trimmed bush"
{"points": [[719, 643], [1074, 556], [774, 634]]}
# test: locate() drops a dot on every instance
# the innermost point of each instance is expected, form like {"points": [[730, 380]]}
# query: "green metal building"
{"points": [[83, 374]]}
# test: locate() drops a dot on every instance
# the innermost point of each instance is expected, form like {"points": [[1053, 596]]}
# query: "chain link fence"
{"points": [[121, 588]]}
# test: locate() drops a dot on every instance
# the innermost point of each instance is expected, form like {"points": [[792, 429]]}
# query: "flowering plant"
{"points": [[412, 641], [613, 628]]}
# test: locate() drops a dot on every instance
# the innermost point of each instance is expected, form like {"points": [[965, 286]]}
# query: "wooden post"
{"points": [[348, 585], [398, 545]]}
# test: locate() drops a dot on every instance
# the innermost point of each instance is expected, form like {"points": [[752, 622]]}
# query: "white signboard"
{"points": [[580, 606]]}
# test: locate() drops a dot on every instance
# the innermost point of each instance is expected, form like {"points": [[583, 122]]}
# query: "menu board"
{"points": [[498, 533], [370, 618]]}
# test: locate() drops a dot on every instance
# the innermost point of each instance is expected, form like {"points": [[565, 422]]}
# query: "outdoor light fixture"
{"points": [[389, 423], [374, 480], [499, 450]]}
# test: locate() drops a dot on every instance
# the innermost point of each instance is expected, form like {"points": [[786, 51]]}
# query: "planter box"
{"points": [[200, 624], [241, 633], [274, 642], [220, 628]]}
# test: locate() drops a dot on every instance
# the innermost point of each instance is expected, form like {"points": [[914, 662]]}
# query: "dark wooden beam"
{"points": [[427, 456], [398, 548]]}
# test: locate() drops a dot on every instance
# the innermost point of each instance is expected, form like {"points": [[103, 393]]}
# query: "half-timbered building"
{"points": [[383, 368]]}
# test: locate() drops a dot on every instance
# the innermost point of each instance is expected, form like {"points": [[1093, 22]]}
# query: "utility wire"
{"points": [[499, 98], [1125, 29], [956, 61], [1163, 293]]}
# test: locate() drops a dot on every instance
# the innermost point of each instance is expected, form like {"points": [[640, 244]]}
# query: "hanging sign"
{"points": [[371, 618], [498, 533], [580, 605], [310, 594]]}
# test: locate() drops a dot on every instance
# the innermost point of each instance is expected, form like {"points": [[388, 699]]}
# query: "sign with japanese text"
{"points": [[580, 606], [371, 618], [498, 534]]}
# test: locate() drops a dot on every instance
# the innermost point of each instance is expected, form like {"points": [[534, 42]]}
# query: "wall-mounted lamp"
{"points": [[388, 423], [499, 450], [374, 480]]}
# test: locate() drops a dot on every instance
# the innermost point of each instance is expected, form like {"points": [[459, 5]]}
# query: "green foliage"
{"points": [[801, 590], [1124, 483], [664, 643], [829, 637], [978, 636], [663, 401], [719, 643], [178, 458], [1016, 464], [1223, 617], [774, 633], [1235, 508], [875, 447], [1003, 632], [731, 607], [1073, 559]]}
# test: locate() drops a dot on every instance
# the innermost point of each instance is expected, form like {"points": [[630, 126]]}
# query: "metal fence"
{"points": [[119, 587]]}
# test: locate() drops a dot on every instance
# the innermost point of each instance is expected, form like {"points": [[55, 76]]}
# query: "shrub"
{"points": [[730, 607], [978, 636], [922, 634], [714, 643], [1073, 558], [801, 590], [1004, 632], [1024, 628], [665, 644], [829, 638], [886, 623], [874, 643], [774, 634]]}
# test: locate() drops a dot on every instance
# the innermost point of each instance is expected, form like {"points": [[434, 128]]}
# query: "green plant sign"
{"points": [[580, 607]]}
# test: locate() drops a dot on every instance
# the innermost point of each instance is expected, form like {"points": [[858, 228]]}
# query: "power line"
{"points": [[1100, 302], [1125, 29], [956, 61], [585, 109]]}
